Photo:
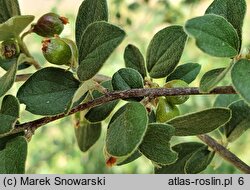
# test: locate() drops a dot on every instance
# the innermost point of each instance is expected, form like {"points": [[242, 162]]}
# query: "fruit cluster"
{"points": [[56, 50]]}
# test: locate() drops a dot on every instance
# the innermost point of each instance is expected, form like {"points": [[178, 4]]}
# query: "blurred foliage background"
{"points": [[53, 148]]}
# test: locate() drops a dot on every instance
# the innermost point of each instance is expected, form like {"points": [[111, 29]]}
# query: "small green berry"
{"points": [[9, 49], [165, 111], [56, 51], [49, 25], [176, 84]]}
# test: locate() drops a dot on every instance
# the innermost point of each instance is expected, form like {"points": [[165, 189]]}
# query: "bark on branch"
{"points": [[153, 92], [225, 153]]}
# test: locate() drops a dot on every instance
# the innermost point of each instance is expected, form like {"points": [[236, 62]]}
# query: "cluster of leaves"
{"points": [[133, 130]]}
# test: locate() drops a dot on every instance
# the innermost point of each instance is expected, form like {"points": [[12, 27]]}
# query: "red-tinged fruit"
{"points": [[49, 25]]}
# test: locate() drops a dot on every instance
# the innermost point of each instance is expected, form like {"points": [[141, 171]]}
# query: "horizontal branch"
{"points": [[224, 153], [153, 92]]}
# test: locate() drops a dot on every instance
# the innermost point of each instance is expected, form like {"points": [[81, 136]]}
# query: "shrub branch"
{"points": [[151, 93], [225, 153], [110, 96]]}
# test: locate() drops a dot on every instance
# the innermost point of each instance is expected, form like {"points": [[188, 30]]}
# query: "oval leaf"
{"points": [[86, 133], [101, 112], [126, 79], [240, 121], [90, 11], [98, 42], [134, 59], [13, 156], [165, 50], [14, 26], [126, 130], [233, 11], [186, 72], [214, 35], [158, 149], [200, 122], [210, 79], [48, 91], [240, 78], [199, 161], [9, 113], [185, 151]]}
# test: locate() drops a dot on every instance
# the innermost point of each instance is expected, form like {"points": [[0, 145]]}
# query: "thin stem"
{"points": [[27, 33], [151, 93], [225, 153], [23, 77], [25, 50]]}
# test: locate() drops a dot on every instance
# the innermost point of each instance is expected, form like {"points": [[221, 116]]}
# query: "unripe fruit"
{"points": [[165, 111], [56, 51], [9, 49], [50, 24], [73, 63], [180, 99]]}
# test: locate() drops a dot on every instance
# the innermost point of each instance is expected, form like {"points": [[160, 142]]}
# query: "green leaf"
{"points": [[214, 35], [126, 129], [131, 158], [8, 9], [199, 161], [134, 59], [126, 79], [165, 50], [156, 146], [13, 156], [240, 78], [9, 113], [86, 133], [48, 91], [8, 79], [101, 112], [185, 151], [186, 72], [200, 122], [233, 11], [14, 26], [224, 100], [98, 42], [210, 79], [7, 63], [90, 11], [240, 121]]}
